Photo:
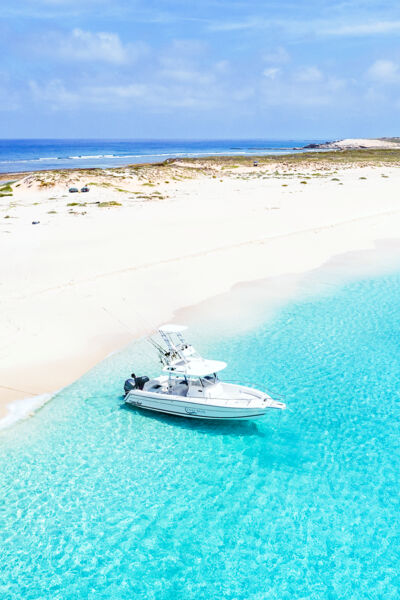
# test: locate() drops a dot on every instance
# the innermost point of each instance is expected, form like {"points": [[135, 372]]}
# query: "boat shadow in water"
{"points": [[209, 426], [273, 446]]}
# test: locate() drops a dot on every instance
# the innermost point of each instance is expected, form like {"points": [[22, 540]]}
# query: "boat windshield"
{"points": [[209, 379]]}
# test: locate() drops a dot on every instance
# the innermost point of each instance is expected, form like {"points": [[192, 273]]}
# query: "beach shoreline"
{"points": [[90, 278], [267, 294]]}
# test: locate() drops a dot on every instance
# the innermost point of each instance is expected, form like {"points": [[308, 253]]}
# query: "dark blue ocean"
{"points": [[35, 155]]}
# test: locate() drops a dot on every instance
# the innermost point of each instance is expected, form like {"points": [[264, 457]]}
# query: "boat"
{"points": [[189, 385]]}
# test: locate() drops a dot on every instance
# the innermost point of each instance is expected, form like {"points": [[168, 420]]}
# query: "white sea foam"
{"points": [[21, 409], [84, 156]]}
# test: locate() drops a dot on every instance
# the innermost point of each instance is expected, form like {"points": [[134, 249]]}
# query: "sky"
{"points": [[276, 69]]}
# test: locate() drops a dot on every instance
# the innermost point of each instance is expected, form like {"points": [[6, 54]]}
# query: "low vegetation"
{"points": [[329, 159], [6, 190], [109, 203]]}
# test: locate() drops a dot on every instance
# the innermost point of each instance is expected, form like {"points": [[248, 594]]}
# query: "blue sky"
{"points": [[208, 69]]}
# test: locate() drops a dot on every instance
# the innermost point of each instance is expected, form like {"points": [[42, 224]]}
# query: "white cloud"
{"points": [[181, 76], [271, 72], [87, 46], [152, 96], [318, 26], [124, 92], [58, 96], [360, 29], [286, 93], [186, 63], [54, 93], [308, 75], [243, 24], [384, 71], [306, 88]]}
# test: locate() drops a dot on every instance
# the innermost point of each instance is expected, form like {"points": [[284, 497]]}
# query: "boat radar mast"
{"points": [[180, 358]]}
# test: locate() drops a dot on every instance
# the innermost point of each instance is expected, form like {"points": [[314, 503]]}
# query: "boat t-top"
{"points": [[190, 386]]}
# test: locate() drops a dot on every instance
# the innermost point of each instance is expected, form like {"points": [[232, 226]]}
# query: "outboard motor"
{"points": [[130, 384]]}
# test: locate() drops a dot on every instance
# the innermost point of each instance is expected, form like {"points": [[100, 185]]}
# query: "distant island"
{"points": [[356, 144]]}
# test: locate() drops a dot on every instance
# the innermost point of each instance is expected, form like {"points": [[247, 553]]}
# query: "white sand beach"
{"points": [[89, 277], [366, 143], [357, 143]]}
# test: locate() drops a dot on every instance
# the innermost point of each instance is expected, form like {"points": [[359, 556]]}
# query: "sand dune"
{"points": [[358, 143]]}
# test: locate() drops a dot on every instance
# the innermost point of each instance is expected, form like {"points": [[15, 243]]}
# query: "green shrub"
{"points": [[109, 203]]}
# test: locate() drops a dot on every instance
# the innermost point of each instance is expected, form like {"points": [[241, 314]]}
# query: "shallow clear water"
{"points": [[100, 501], [35, 155]]}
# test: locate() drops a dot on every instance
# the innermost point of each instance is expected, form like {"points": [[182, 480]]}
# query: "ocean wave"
{"points": [[23, 408], [85, 156]]}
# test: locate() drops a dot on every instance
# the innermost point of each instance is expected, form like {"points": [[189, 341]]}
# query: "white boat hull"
{"points": [[185, 407]]}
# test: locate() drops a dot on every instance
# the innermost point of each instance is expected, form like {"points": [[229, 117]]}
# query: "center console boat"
{"points": [[189, 385]]}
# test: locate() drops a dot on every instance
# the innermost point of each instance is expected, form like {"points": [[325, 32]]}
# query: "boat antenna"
{"points": [[155, 344], [163, 354]]}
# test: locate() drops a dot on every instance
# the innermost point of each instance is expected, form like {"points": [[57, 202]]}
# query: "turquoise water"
{"points": [[103, 502]]}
